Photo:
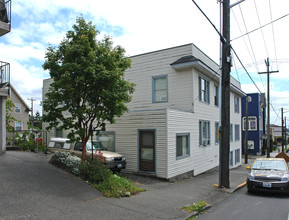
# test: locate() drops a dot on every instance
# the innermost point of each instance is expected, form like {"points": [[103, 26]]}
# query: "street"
{"points": [[242, 205]]}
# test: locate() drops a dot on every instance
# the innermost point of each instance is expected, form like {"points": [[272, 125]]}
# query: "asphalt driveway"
{"points": [[31, 188]]}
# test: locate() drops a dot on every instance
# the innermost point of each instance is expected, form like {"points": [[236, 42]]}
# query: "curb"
{"points": [[196, 213]]}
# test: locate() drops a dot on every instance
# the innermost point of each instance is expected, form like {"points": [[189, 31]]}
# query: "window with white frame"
{"points": [[252, 123], [204, 129], [237, 132], [217, 126], [204, 90], [183, 145], [231, 133], [237, 104], [160, 88], [17, 108], [216, 95], [18, 125], [237, 156], [231, 158]]}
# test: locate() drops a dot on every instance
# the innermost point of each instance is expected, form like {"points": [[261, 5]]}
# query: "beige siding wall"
{"points": [[23, 115], [146, 66], [126, 137], [181, 114]]}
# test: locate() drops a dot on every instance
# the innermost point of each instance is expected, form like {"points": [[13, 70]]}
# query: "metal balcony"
{"points": [[5, 17], [4, 78]]}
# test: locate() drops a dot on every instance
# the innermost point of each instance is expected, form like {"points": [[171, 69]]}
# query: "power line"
{"points": [[259, 27]]}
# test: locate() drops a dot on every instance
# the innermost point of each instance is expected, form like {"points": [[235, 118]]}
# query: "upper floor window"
{"points": [[183, 145], [17, 108], [216, 95], [252, 123], [204, 90], [160, 89], [237, 104], [205, 136]]}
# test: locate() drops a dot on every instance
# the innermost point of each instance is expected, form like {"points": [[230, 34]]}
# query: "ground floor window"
{"points": [[204, 129], [237, 156], [58, 132], [183, 146], [107, 138], [18, 126], [231, 159]]}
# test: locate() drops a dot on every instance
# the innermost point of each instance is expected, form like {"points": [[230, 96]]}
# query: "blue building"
{"points": [[256, 122]]}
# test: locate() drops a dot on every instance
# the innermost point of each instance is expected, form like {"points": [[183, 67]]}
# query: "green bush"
{"points": [[67, 162], [94, 171]]}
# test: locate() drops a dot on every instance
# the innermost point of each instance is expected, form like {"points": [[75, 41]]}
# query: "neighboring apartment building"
{"points": [[5, 27], [172, 124], [256, 122], [20, 112]]}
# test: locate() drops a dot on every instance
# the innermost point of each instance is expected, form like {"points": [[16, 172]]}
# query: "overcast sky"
{"points": [[144, 26]]}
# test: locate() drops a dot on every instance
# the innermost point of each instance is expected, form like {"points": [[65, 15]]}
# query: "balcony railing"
{"points": [[4, 74], [5, 16]]}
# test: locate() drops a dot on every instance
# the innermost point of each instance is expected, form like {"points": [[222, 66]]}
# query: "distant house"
{"points": [[276, 132], [20, 112], [172, 125], [256, 122]]}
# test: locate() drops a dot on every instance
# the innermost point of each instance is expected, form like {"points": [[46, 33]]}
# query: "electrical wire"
{"points": [[261, 28], [249, 38], [273, 33]]}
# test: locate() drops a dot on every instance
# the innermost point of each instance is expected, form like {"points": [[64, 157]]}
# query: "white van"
{"points": [[113, 160]]}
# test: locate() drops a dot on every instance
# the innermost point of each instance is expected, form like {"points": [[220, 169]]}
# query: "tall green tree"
{"points": [[88, 83], [9, 118]]}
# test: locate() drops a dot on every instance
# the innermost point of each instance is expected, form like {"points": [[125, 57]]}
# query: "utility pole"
{"points": [[32, 123], [225, 99], [248, 99], [268, 106], [285, 135], [282, 122]]}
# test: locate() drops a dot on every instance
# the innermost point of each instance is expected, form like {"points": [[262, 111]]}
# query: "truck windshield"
{"points": [[95, 146]]}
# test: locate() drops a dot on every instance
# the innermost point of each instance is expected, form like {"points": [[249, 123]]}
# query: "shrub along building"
{"points": [[172, 125]]}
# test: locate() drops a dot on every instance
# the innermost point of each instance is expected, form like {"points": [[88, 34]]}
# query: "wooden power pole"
{"points": [[268, 105], [225, 99]]}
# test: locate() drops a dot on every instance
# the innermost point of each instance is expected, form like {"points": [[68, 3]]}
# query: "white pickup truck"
{"points": [[113, 160]]}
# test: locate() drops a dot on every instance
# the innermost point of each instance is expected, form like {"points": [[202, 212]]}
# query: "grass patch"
{"points": [[196, 207], [117, 186]]}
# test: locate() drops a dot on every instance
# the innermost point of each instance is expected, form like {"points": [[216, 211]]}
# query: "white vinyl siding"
{"points": [[126, 137]]}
